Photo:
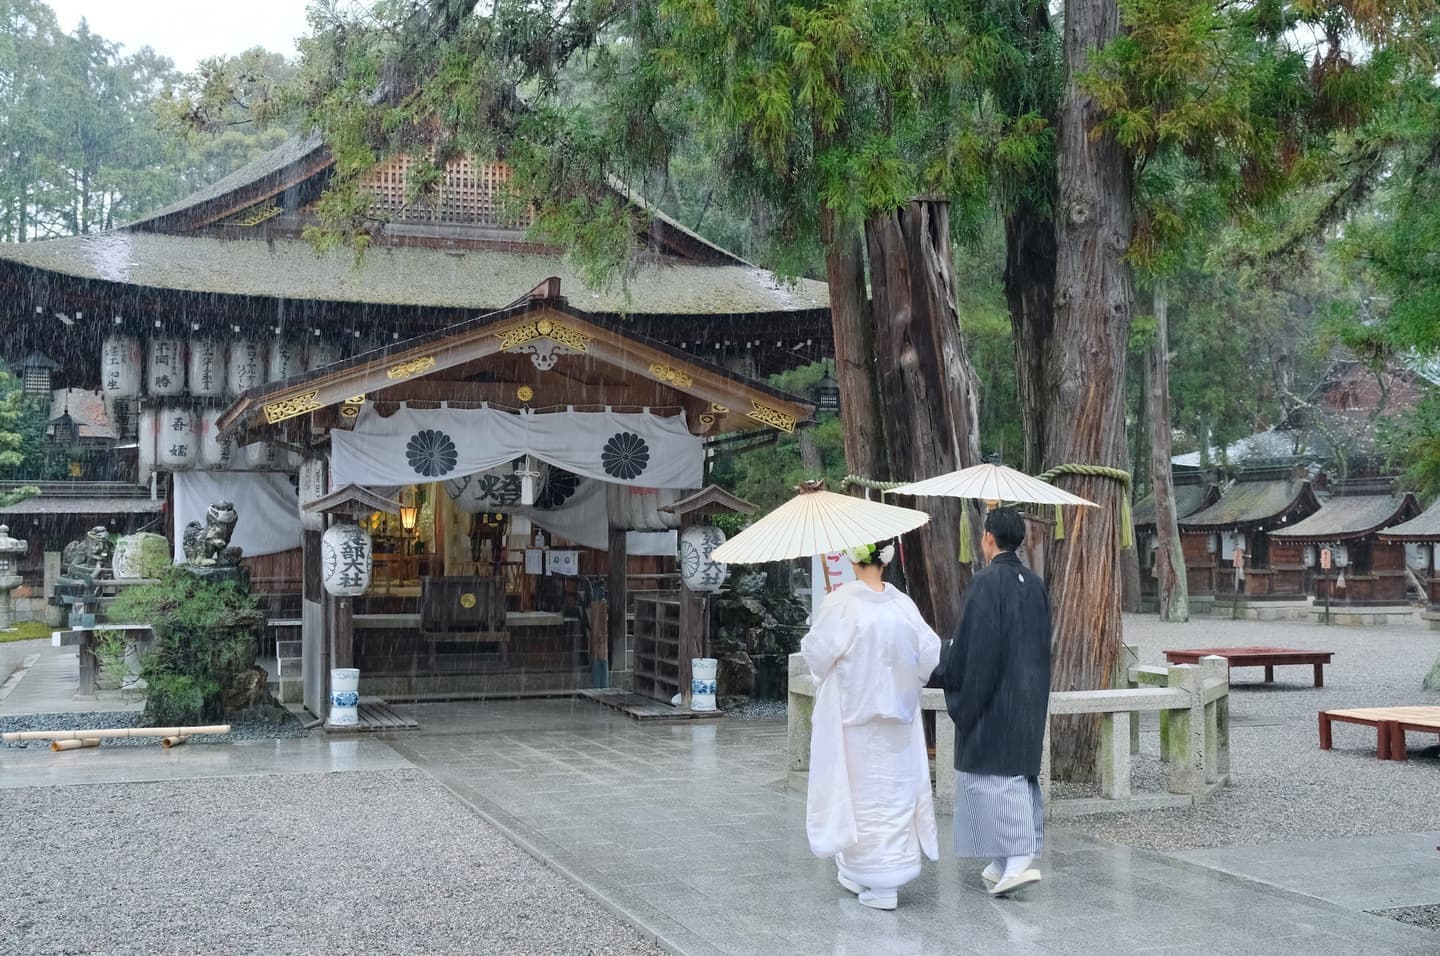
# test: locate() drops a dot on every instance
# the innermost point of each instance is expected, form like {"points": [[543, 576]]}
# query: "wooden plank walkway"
{"points": [[375, 714], [644, 708]]}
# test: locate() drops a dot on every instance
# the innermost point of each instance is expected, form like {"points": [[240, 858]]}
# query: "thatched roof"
{"points": [[476, 279], [1424, 527], [1253, 503], [1350, 516]]}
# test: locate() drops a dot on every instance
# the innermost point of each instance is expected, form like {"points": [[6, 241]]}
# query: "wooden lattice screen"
{"points": [[471, 193]]}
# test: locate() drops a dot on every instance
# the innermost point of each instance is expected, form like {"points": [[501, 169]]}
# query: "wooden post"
{"points": [[692, 623], [619, 600]]}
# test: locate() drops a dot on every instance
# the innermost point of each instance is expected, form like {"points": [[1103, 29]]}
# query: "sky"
{"points": [[187, 31]]}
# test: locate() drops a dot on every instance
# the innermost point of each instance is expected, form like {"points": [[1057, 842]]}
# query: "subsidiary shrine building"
{"points": [[507, 435]]}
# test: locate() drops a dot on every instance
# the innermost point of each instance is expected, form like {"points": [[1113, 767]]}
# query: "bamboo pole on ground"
{"points": [[74, 744], [168, 742], [114, 732]]}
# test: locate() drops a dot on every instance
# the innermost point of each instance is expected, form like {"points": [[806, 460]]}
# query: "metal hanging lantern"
{"points": [[826, 395]]}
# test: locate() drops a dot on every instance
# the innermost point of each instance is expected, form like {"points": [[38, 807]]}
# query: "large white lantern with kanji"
{"points": [[696, 569], [148, 430], [286, 358], [247, 366], [177, 443], [207, 367], [165, 366], [214, 453], [345, 559], [313, 486], [320, 352], [121, 365]]}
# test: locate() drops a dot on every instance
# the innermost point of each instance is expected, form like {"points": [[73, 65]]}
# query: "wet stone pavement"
{"points": [[690, 831]]}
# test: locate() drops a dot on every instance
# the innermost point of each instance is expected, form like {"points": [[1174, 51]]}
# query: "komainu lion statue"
{"points": [[209, 546]]}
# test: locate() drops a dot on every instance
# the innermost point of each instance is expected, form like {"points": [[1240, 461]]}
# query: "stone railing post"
{"points": [[944, 756], [1128, 657], [1115, 754], [799, 710], [1217, 720], [1044, 779], [1185, 746]]}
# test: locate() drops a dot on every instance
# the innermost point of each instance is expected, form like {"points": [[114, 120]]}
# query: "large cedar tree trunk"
{"points": [[854, 331], [1087, 414], [1172, 595], [927, 388], [1030, 295]]}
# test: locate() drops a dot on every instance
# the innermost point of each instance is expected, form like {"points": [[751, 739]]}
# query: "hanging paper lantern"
{"points": [[207, 367], [246, 365], [313, 485], [214, 453], [148, 430], [345, 559], [120, 366], [696, 569], [320, 353], [256, 456], [177, 444], [286, 359], [165, 366]]}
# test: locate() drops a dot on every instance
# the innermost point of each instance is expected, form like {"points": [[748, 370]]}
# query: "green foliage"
{"points": [[1412, 440], [205, 636], [80, 132]]}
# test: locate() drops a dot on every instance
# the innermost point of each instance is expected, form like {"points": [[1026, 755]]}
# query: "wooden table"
{"points": [[401, 621], [1390, 724], [1266, 657]]}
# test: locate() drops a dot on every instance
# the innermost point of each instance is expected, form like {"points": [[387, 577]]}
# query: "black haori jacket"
{"points": [[996, 671]]}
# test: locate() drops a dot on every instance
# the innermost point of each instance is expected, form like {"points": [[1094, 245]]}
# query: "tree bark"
{"points": [[928, 388], [810, 457], [1030, 295], [853, 328], [1087, 412], [1172, 595]]}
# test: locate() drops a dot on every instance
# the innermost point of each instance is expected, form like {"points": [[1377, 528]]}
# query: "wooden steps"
{"points": [[376, 715], [644, 708]]}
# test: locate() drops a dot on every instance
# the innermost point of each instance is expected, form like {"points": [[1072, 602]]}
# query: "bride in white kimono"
{"points": [[869, 803]]}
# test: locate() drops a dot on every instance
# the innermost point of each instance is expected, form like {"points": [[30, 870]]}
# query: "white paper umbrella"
{"points": [[990, 482], [817, 522]]}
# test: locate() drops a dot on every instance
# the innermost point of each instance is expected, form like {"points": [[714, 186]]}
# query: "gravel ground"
{"points": [[276, 723], [1426, 916], [1282, 785], [377, 862], [757, 710]]}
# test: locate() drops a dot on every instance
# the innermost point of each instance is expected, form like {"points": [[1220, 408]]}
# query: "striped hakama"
{"points": [[997, 816]]}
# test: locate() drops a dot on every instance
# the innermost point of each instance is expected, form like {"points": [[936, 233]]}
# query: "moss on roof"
{"points": [[480, 279], [1189, 498], [1252, 502], [1423, 527], [1348, 516]]}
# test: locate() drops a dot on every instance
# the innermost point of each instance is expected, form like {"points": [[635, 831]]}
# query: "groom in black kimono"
{"points": [[996, 676]]}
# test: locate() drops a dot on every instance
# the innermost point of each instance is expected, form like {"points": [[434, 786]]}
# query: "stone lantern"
{"points": [[10, 551]]}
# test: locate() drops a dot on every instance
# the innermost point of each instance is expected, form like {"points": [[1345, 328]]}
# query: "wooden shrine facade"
{"points": [[1365, 569], [555, 584], [1262, 498]]}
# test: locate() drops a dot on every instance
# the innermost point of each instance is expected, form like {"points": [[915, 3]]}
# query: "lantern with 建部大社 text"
{"points": [[345, 559]]}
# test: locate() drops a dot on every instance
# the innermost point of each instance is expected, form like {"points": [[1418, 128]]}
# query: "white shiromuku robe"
{"points": [[869, 803]]}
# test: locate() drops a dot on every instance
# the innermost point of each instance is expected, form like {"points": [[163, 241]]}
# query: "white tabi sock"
{"points": [[1015, 865]]}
